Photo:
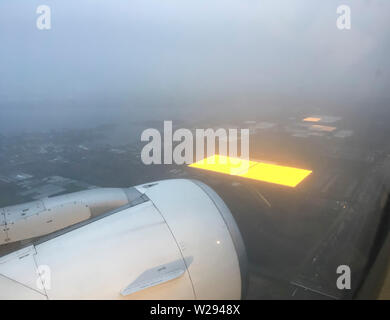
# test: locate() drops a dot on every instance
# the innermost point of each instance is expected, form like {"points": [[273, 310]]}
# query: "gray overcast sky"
{"points": [[102, 58]]}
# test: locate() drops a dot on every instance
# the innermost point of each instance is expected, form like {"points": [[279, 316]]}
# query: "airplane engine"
{"points": [[171, 239]]}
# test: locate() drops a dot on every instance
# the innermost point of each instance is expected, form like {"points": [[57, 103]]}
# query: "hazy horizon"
{"points": [[118, 61]]}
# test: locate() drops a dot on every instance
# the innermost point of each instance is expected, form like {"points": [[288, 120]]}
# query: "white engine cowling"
{"points": [[174, 239]]}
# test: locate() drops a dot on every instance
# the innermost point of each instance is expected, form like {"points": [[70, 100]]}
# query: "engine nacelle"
{"points": [[173, 239]]}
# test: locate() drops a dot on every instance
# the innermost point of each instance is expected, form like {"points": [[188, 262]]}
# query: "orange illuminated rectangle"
{"points": [[261, 171], [223, 164], [311, 119], [286, 176]]}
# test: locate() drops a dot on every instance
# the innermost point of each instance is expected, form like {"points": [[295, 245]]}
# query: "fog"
{"points": [[118, 61]]}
